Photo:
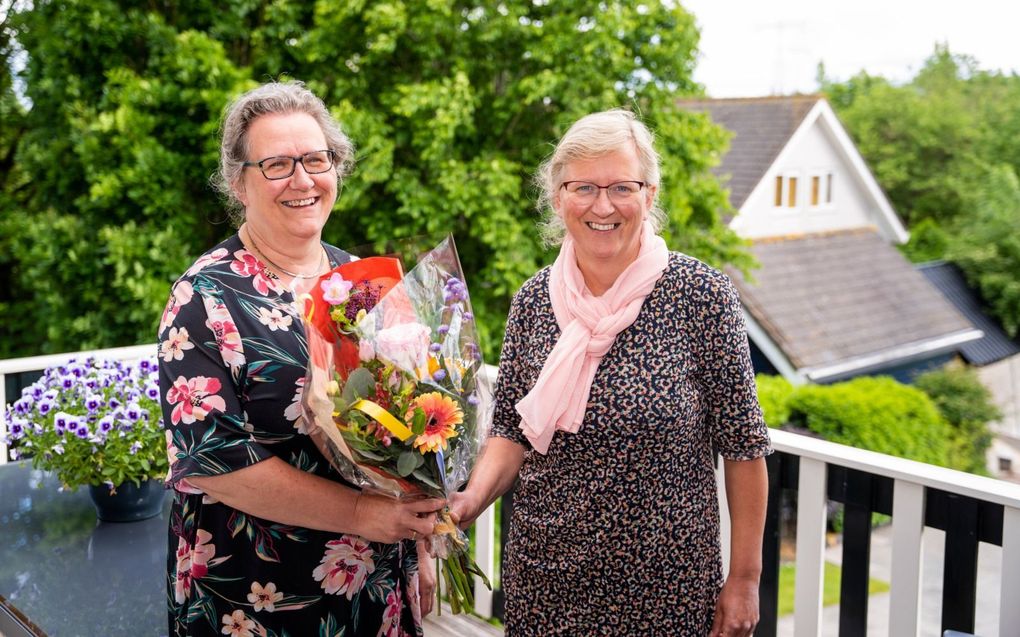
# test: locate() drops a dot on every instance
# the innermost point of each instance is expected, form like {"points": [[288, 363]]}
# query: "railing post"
{"points": [[485, 556], [811, 513], [906, 567], [1009, 609]]}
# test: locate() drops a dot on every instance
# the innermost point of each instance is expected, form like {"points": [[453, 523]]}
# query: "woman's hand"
{"points": [[736, 612], [383, 519], [426, 578], [464, 508]]}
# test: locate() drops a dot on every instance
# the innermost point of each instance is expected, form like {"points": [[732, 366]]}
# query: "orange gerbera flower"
{"points": [[442, 414]]}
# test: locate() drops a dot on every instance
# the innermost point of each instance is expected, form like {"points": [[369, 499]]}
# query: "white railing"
{"points": [[910, 481], [38, 363]]}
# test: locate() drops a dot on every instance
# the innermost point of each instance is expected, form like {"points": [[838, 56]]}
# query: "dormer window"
{"points": [[786, 191], [820, 189]]}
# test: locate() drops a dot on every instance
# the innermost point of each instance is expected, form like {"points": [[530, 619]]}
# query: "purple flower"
{"points": [[152, 392], [92, 403], [61, 421], [473, 400], [135, 446], [82, 431], [468, 317], [113, 402], [435, 347], [106, 424], [442, 330], [454, 290], [44, 406], [439, 375], [67, 382], [91, 383], [134, 412], [16, 431]]}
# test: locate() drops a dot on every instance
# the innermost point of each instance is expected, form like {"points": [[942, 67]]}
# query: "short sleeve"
{"points": [[734, 417], [200, 358], [511, 384]]}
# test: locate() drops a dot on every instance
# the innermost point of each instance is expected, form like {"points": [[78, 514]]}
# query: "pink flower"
{"points": [[405, 345], [181, 295], [246, 264], [345, 566], [264, 597], [237, 624], [228, 339], [391, 616], [293, 410], [173, 346], [336, 289], [195, 398], [192, 562], [205, 260]]}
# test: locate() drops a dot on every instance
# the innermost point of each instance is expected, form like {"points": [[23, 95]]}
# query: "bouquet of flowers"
{"points": [[396, 392], [92, 422]]}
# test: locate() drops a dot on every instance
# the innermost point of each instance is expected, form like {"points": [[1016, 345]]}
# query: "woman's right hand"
{"points": [[380, 518]]}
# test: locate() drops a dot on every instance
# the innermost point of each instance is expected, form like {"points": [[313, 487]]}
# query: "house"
{"points": [[995, 356], [833, 297]]}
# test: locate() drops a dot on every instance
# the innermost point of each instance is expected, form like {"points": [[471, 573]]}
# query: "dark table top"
{"points": [[72, 575]]}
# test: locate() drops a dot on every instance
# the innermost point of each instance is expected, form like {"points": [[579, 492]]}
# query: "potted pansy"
{"points": [[98, 423]]}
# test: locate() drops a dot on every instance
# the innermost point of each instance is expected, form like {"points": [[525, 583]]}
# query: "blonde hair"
{"points": [[272, 98], [591, 137]]}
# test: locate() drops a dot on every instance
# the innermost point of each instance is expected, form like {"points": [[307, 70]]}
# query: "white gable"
{"points": [[832, 189]]}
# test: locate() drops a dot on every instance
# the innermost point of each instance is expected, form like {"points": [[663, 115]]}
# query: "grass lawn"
{"points": [[830, 590]]}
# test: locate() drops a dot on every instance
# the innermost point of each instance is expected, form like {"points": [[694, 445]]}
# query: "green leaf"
{"points": [[408, 462], [418, 422], [360, 384]]}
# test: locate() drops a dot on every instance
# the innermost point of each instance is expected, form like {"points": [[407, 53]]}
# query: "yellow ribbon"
{"points": [[384, 418]]}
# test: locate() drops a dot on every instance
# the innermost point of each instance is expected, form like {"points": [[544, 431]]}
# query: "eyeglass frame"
{"points": [[641, 185], [294, 161]]}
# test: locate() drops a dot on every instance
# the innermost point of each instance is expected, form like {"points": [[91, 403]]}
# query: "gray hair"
{"points": [[272, 98], [591, 137]]}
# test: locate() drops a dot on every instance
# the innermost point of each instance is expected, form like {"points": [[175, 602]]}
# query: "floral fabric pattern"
{"points": [[616, 530], [232, 367]]}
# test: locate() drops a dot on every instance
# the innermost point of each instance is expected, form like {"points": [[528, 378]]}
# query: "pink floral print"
{"points": [[194, 399], [345, 565]]}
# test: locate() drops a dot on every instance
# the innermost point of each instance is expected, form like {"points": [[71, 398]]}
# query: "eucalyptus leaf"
{"points": [[407, 463], [360, 384]]}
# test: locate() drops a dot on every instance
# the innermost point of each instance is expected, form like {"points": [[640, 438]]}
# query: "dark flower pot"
{"points": [[128, 503]]}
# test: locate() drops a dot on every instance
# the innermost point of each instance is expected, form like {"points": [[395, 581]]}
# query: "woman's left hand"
{"points": [[736, 612], [426, 578]]}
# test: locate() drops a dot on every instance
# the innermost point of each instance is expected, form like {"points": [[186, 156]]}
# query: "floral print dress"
{"points": [[616, 530], [232, 365]]}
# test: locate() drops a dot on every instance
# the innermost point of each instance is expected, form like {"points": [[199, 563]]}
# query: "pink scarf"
{"points": [[588, 327]]}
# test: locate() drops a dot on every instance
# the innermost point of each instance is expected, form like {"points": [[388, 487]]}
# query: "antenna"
{"points": [[782, 27]]}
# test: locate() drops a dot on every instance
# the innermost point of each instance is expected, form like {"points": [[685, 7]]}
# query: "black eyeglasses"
{"points": [[314, 162]]}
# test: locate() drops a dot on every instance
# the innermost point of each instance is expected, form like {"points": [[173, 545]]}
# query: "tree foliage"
{"points": [[967, 406], [452, 106], [946, 149]]}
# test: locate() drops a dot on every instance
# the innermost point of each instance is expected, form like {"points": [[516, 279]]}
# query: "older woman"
{"points": [[623, 366], [265, 538]]}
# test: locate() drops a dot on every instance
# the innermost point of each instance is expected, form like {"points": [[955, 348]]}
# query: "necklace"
{"points": [[296, 275]]}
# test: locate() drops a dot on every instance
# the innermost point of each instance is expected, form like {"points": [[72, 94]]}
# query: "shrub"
{"points": [[774, 396], [967, 406], [879, 414]]}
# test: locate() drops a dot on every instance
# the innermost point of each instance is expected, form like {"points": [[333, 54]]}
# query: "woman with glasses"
{"points": [[623, 366], [265, 538]]}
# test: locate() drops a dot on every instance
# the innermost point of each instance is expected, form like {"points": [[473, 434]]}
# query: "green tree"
{"points": [[452, 106]]}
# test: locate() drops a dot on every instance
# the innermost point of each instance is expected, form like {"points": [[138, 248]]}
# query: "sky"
{"points": [[773, 47]]}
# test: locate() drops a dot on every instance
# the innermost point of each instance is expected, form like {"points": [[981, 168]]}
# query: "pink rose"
{"points": [[405, 345]]}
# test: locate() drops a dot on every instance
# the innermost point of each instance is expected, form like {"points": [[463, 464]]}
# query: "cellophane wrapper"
{"points": [[396, 394]]}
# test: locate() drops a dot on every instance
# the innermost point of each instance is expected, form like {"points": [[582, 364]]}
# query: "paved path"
{"points": [[989, 579], [450, 625]]}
